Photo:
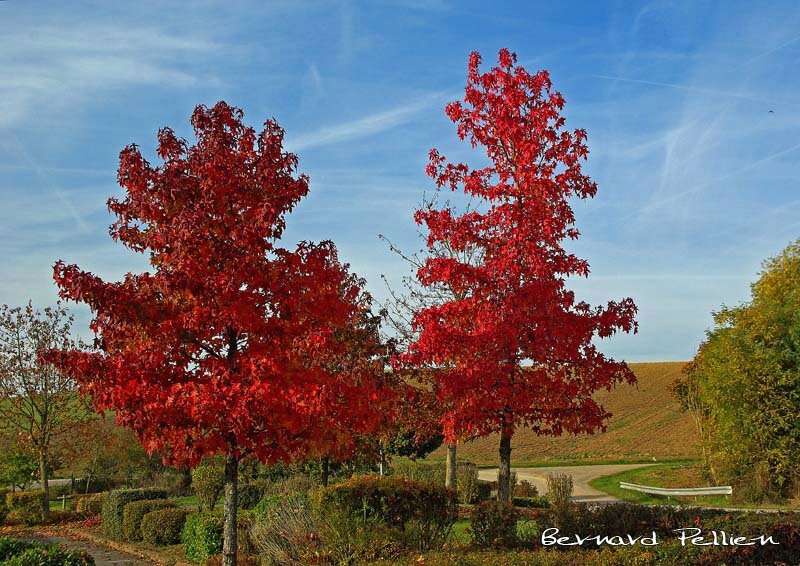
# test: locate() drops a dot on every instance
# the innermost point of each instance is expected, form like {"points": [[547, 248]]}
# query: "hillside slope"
{"points": [[646, 424]]}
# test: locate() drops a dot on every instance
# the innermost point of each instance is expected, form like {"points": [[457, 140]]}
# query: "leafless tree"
{"points": [[38, 402], [412, 296]]}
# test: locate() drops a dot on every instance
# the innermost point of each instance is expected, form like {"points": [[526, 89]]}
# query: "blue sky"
{"points": [[698, 179]]}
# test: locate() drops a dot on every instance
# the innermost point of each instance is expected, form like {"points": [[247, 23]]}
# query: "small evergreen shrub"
{"points": [[135, 511], [26, 505], [494, 524], [114, 507], [424, 513], [89, 505], [207, 482], [163, 527], [202, 536], [528, 532]]}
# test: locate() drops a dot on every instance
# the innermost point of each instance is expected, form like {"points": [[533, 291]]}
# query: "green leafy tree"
{"points": [[743, 386]]}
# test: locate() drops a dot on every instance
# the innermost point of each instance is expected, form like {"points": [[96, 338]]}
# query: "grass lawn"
{"points": [[459, 533], [673, 474]]}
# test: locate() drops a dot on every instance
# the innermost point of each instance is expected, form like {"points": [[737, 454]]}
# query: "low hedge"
{"points": [[434, 472], [539, 502], [133, 513], [201, 536], [163, 527], [89, 505], [114, 507], [26, 505], [423, 513], [14, 552]]}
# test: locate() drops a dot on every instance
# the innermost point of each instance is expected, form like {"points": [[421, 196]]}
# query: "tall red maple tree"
{"points": [[514, 347], [232, 344]]}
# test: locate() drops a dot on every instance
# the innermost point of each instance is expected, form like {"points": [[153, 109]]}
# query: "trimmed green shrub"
{"points": [[423, 513], [26, 505], [202, 536], [163, 527], [114, 504], [528, 532], [89, 505], [494, 524], [133, 513], [207, 482]]}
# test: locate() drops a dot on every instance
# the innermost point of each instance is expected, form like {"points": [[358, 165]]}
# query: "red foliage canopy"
{"points": [[514, 346], [231, 344]]}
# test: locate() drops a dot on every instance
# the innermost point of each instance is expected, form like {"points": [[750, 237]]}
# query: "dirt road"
{"points": [[581, 476]]}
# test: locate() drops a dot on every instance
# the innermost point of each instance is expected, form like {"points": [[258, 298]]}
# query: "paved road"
{"points": [[581, 475]]}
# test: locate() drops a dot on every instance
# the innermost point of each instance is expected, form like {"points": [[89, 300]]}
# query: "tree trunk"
{"points": [[384, 465], [230, 544], [450, 468], [504, 472], [45, 485], [325, 471]]}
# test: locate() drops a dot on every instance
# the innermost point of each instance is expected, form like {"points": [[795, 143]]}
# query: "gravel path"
{"points": [[581, 476]]}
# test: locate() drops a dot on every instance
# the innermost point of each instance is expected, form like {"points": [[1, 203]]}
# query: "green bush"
{"points": [[14, 552], [202, 536], [250, 494], [525, 488], [434, 472], [539, 502], [26, 505], [528, 532], [485, 489], [50, 556], [114, 504], [207, 482], [89, 505], [494, 524], [163, 527], [134, 512], [10, 547], [421, 513]]}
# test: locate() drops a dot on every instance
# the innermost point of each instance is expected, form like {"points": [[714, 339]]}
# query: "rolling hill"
{"points": [[646, 424]]}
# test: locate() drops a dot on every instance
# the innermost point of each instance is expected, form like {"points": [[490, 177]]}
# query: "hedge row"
{"points": [[26, 505], [114, 507], [135, 511], [163, 527]]}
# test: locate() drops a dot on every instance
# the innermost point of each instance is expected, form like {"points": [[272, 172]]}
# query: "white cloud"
{"points": [[366, 126], [50, 69]]}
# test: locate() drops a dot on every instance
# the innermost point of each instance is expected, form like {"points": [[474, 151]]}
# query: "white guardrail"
{"points": [[683, 491]]}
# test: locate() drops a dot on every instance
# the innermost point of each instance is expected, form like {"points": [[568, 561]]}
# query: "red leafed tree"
{"points": [[514, 347], [231, 345]]}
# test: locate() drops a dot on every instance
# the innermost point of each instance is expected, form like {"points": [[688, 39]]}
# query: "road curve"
{"points": [[581, 476]]}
